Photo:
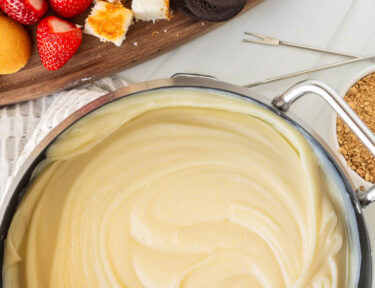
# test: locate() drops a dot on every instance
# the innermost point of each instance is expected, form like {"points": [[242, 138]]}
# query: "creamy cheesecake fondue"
{"points": [[178, 188]]}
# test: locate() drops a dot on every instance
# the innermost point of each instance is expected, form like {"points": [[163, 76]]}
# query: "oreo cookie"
{"points": [[227, 3], [180, 4], [211, 10], [205, 11]]}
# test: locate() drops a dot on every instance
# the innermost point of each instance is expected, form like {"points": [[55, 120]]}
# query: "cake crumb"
{"points": [[165, 30], [203, 23], [155, 33], [135, 43]]}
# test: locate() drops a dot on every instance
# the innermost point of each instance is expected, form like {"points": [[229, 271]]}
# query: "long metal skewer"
{"points": [[273, 79], [266, 40]]}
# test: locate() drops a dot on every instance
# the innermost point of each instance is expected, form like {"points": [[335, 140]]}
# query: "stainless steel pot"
{"points": [[353, 201]]}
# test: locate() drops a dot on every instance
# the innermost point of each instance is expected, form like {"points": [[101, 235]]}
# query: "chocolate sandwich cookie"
{"points": [[210, 10], [226, 3], [205, 11], [181, 5]]}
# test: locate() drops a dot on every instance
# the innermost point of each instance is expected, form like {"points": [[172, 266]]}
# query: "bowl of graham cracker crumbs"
{"points": [[360, 95]]}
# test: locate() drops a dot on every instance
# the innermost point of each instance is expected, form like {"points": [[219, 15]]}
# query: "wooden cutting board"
{"points": [[95, 59]]}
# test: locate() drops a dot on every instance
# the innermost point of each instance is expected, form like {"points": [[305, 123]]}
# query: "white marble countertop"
{"points": [[344, 25]]}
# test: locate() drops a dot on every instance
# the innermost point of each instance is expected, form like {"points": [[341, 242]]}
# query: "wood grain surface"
{"points": [[95, 59]]}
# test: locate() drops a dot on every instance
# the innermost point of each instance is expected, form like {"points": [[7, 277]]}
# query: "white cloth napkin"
{"points": [[24, 125]]}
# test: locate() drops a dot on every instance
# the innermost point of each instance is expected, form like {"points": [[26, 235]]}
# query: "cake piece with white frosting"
{"points": [[151, 10]]}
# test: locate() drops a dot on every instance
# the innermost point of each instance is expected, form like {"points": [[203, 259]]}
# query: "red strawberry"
{"points": [[57, 40], [69, 8], [24, 11]]}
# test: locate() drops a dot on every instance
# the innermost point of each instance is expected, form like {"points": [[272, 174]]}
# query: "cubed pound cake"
{"points": [[109, 21], [151, 10]]}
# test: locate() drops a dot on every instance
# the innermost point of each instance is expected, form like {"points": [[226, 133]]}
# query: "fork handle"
{"points": [[328, 51]]}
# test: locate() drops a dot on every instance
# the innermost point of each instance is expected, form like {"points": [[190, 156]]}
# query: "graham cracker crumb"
{"points": [[361, 98]]}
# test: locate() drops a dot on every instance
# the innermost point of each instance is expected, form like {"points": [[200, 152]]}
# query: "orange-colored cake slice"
{"points": [[109, 22]]}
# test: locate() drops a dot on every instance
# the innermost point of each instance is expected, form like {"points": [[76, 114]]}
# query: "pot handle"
{"points": [[285, 101], [194, 75]]}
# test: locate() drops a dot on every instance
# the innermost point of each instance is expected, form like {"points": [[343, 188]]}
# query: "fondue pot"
{"points": [[353, 201]]}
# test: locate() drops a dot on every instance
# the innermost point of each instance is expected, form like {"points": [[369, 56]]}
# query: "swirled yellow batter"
{"points": [[178, 188]]}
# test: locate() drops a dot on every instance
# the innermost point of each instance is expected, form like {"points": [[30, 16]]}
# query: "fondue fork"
{"points": [[266, 40], [295, 74]]}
